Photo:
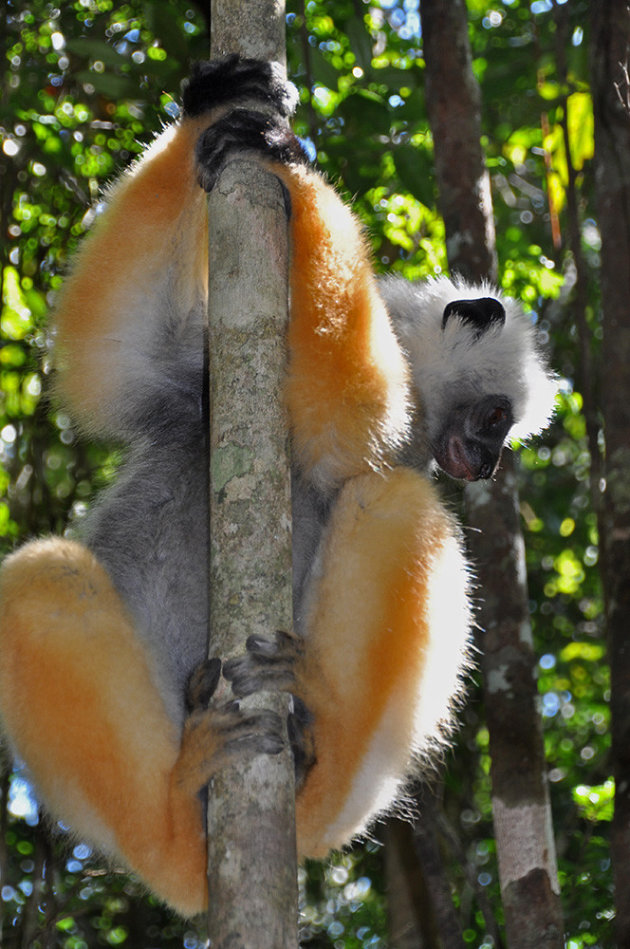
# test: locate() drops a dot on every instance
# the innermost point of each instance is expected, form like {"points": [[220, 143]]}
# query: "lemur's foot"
{"points": [[234, 79], [270, 664], [241, 130], [218, 733]]}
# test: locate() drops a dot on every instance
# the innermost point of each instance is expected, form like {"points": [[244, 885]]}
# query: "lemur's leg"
{"points": [[387, 631], [80, 703]]}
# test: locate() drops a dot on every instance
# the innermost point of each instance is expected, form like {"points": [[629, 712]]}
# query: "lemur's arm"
{"points": [[139, 273], [348, 385]]}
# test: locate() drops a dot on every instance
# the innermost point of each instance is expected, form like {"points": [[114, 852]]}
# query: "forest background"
{"points": [[85, 85]]}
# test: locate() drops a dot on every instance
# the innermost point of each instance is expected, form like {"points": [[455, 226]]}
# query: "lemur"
{"points": [[100, 636]]}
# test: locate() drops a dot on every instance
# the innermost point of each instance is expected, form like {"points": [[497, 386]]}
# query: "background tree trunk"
{"points": [[611, 102], [251, 825], [410, 918], [463, 183], [522, 818]]}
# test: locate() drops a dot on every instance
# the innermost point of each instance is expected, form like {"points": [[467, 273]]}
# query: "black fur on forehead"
{"points": [[482, 313]]}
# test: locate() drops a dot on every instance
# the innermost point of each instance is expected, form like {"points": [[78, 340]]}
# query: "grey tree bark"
{"points": [[410, 919], [611, 105], [522, 818], [251, 823]]}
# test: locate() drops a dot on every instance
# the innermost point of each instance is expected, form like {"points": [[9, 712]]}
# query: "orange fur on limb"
{"points": [[391, 563], [78, 689], [99, 639]]}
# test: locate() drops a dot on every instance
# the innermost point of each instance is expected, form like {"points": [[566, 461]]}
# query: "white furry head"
{"points": [[456, 361]]}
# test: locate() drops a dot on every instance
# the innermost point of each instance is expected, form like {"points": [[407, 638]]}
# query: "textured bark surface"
{"points": [[520, 797], [251, 823], [254, 29], [410, 918], [429, 855], [611, 102], [525, 844]]}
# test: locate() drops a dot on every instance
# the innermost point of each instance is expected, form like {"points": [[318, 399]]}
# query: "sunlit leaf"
{"points": [[595, 802], [588, 651], [581, 129]]}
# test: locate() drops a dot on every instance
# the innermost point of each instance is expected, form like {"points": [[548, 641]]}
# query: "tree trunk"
{"points": [[410, 918], [454, 109], [251, 826], [428, 852], [520, 797], [525, 845], [611, 102]]}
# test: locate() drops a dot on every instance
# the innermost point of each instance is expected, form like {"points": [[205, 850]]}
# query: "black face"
{"points": [[469, 446]]}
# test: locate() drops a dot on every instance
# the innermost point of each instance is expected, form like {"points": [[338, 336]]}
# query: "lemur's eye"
{"points": [[496, 416]]}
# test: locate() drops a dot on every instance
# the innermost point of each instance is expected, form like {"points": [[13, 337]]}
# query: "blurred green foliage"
{"points": [[85, 84]]}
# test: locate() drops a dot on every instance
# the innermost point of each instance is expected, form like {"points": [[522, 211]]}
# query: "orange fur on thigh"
{"points": [[78, 689], [368, 637]]}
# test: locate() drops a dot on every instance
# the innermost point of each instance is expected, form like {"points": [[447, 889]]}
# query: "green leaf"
{"points": [[415, 172], [595, 802], [581, 128], [95, 50], [323, 71], [360, 42], [108, 84], [367, 111]]}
